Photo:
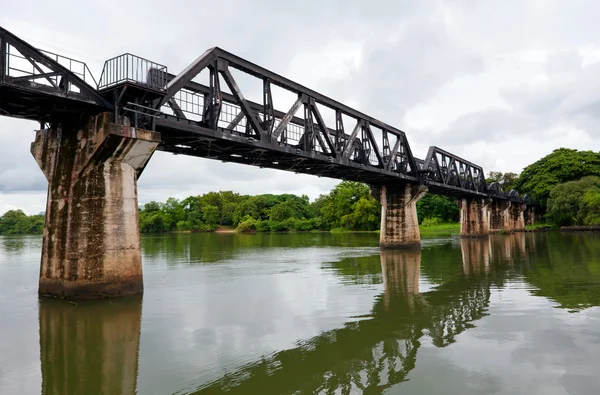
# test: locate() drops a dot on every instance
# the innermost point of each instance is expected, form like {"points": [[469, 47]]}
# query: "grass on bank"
{"points": [[540, 225], [440, 228]]}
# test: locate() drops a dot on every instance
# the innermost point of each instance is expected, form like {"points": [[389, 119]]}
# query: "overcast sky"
{"points": [[501, 83]]}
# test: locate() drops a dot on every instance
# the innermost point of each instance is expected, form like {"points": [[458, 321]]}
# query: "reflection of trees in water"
{"points": [[562, 267], [10, 244], [91, 347], [215, 247], [375, 353], [566, 269]]}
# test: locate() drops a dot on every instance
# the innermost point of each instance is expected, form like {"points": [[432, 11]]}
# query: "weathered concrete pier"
{"points": [[91, 241], [399, 221]]}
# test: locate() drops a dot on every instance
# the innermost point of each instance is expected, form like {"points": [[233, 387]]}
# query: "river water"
{"points": [[315, 313]]}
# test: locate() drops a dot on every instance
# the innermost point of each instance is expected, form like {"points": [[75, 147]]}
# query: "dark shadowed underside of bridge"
{"points": [[203, 111]]}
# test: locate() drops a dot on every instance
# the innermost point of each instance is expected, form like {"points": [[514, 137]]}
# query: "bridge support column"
{"points": [[529, 215], [91, 241], [474, 217], [516, 218], [498, 215], [399, 222]]}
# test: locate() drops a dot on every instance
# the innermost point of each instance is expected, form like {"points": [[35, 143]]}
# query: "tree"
{"points": [[571, 203], [591, 200], [339, 204], [210, 215], [560, 166], [505, 180], [366, 214], [174, 212], [437, 206], [282, 211], [16, 222]]}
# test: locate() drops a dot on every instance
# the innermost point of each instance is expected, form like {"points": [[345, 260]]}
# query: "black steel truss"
{"points": [[449, 174], [318, 148], [35, 85], [204, 120]]}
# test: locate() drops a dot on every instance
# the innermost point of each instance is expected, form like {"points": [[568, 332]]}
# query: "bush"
{"points": [[339, 230], [262, 226], [184, 226], [431, 221], [277, 226], [570, 203], [248, 225]]}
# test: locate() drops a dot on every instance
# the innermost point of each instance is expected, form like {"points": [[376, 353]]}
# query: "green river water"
{"points": [[315, 313]]}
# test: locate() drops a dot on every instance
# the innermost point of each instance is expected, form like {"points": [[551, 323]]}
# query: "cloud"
{"points": [[495, 82]]}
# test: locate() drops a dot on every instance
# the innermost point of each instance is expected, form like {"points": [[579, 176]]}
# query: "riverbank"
{"points": [[452, 228], [594, 228]]}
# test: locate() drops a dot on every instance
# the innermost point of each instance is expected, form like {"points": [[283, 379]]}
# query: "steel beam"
{"points": [[393, 153], [323, 128], [350, 141], [238, 118], [187, 75], [233, 87], [288, 117], [176, 109], [3, 56], [373, 144]]}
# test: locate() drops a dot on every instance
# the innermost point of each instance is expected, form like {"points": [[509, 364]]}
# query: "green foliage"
{"points": [[506, 180], [441, 228], [591, 200], [349, 205], [560, 166], [431, 221], [438, 206], [366, 214], [247, 225], [16, 222], [574, 202]]}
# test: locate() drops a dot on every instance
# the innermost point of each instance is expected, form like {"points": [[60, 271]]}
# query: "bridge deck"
{"points": [[187, 137]]}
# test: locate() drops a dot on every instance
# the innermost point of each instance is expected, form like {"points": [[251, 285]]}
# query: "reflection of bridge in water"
{"points": [[369, 355]]}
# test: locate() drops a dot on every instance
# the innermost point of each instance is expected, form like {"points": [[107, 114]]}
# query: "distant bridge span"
{"points": [[103, 133]]}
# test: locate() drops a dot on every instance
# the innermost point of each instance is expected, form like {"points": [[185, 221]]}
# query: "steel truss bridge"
{"points": [[306, 133]]}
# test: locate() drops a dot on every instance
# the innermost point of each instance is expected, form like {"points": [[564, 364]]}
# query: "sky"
{"points": [[500, 83]]}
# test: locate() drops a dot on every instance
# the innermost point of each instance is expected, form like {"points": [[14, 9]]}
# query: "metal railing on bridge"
{"points": [[40, 85], [132, 69]]}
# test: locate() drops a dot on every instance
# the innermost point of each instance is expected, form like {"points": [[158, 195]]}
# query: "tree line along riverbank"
{"points": [[565, 184]]}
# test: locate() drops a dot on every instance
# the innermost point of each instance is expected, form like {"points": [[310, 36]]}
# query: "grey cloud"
{"points": [[406, 52]]}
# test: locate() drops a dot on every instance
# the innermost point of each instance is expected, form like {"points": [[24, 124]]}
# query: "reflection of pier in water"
{"points": [[90, 348], [378, 352], [479, 253]]}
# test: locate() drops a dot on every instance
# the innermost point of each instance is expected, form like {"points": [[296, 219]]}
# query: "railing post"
{"points": [[3, 57]]}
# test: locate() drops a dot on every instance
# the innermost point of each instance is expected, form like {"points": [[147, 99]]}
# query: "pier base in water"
{"points": [[91, 241], [474, 217], [399, 222]]}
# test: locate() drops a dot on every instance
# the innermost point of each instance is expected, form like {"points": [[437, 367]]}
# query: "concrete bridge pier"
{"points": [[474, 217], [498, 215], [529, 215], [399, 222], [516, 217], [91, 241]]}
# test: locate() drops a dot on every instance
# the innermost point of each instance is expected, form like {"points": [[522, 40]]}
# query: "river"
{"points": [[315, 313]]}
